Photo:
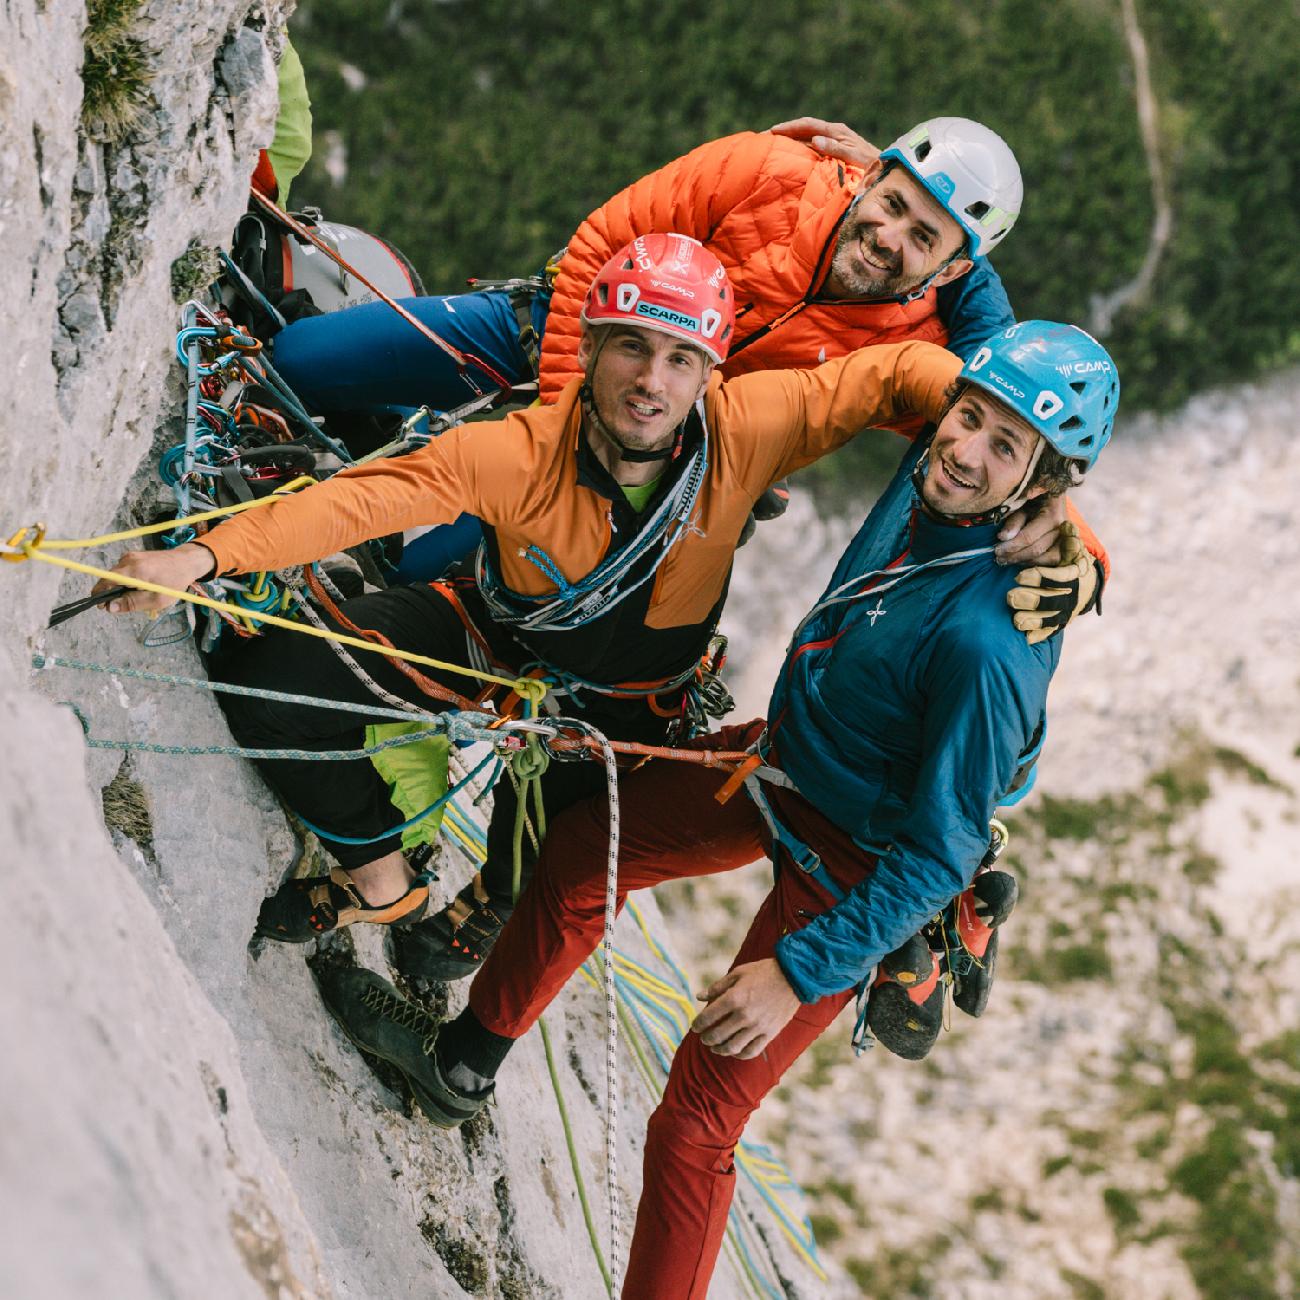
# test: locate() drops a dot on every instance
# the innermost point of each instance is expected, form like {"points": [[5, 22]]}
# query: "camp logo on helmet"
{"points": [[627, 296], [1085, 368], [673, 288], [640, 255], [667, 315], [709, 324], [1005, 383]]}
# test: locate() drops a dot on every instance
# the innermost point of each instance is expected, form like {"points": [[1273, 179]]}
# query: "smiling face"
{"points": [[978, 456], [644, 382], [893, 240]]}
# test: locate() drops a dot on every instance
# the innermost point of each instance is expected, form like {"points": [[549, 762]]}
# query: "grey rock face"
{"points": [[181, 1115]]}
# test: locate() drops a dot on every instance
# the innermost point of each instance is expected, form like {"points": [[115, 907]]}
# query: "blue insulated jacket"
{"points": [[901, 716]]}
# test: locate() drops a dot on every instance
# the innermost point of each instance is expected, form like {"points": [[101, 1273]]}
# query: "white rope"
{"points": [[611, 999]]}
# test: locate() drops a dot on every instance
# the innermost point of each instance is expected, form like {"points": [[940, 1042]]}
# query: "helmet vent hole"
{"points": [[1079, 386], [602, 292], [923, 150], [1088, 441], [1074, 423], [978, 211], [628, 264]]}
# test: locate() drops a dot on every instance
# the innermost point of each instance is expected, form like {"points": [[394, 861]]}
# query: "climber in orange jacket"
{"points": [[790, 225], [826, 255]]}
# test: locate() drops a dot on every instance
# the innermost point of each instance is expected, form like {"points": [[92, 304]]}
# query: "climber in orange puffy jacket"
{"points": [[782, 219]]}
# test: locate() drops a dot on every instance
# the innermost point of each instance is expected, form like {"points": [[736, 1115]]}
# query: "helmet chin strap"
{"points": [[634, 455], [993, 516], [917, 291]]}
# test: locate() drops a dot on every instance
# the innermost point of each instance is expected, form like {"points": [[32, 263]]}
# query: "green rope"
{"points": [[573, 1158], [526, 769]]}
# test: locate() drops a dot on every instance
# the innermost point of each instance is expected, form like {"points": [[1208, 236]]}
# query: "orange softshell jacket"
{"points": [[770, 208]]}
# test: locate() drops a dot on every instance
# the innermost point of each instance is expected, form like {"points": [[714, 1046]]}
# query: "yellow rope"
{"points": [[28, 547], [146, 530]]}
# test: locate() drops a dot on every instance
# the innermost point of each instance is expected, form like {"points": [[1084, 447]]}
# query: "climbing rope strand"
{"points": [[611, 1006], [394, 701], [576, 1164], [436, 806], [526, 687], [41, 661], [23, 549], [895, 575], [262, 755]]}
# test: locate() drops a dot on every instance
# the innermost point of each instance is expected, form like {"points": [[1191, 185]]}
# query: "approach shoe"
{"points": [[306, 908], [905, 1003], [375, 1016], [972, 922], [451, 944]]}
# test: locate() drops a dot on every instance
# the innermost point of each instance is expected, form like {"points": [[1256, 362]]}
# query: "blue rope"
{"points": [[281, 389], [453, 722], [738, 1224], [407, 824]]}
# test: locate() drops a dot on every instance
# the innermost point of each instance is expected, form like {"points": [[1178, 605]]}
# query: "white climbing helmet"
{"points": [[970, 170]]}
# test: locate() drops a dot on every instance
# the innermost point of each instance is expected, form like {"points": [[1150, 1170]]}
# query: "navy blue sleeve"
{"points": [[982, 707], [974, 307]]}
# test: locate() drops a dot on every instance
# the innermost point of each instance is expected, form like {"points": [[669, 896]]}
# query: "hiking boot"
{"points": [[972, 922], [905, 1004], [451, 944], [372, 1013], [306, 908]]}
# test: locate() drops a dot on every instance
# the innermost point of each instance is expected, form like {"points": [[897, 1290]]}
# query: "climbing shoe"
{"points": [[305, 909], [372, 1013], [905, 1003], [972, 921], [453, 943]]}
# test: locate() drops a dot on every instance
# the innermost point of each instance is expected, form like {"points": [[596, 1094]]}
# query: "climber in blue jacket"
{"points": [[904, 712]]}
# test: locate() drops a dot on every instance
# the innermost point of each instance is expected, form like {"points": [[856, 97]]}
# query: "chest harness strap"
{"points": [[575, 604]]}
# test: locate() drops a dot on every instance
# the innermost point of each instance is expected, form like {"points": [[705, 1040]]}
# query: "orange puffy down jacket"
{"points": [[770, 208]]}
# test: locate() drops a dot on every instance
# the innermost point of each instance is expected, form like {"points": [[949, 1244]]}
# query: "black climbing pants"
{"points": [[350, 797]]}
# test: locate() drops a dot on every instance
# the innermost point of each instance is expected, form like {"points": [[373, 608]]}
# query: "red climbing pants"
{"points": [[671, 827]]}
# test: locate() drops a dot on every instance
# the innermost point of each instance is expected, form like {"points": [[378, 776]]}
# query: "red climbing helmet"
{"points": [[669, 283]]}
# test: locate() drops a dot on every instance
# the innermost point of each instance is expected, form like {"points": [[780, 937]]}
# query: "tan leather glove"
{"points": [[1046, 599]]}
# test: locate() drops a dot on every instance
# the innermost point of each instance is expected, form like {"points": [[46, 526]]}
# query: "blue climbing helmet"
{"points": [[1056, 377], [969, 170]]}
